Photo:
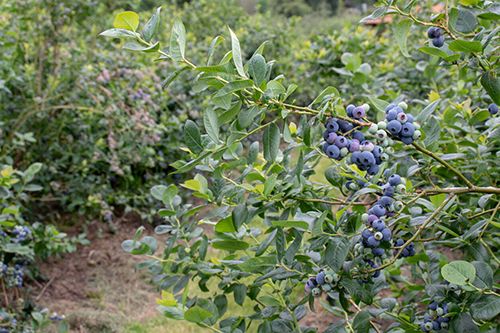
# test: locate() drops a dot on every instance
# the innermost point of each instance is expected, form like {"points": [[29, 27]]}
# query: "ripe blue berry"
{"points": [[408, 130], [333, 151], [366, 234], [372, 242], [394, 127], [345, 126], [341, 141], [373, 169], [407, 140], [378, 225], [493, 108], [394, 180], [438, 41], [378, 251], [385, 201], [378, 210], [358, 136], [332, 125], [389, 190], [349, 109], [391, 115], [320, 278], [434, 32], [387, 234], [354, 145], [330, 137], [358, 112]]}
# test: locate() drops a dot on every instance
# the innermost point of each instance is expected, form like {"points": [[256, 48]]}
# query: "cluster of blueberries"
{"points": [[434, 319], [323, 281], [436, 35], [13, 276], [18, 275], [21, 233], [400, 124], [340, 140], [493, 108], [377, 236], [408, 251]]}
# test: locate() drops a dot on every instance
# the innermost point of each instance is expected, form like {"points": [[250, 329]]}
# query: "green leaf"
{"points": [[459, 272], [361, 322], [486, 308], [328, 91], [240, 291], [164, 193], [225, 225], [234, 86], [211, 122], [178, 41], [491, 84], [336, 252], [484, 275], [462, 20], [192, 136], [126, 20], [379, 104], [151, 27], [427, 111], [257, 68], [118, 33], [197, 314], [463, 323], [236, 50], [230, 245], [433, 51], [216, 41], [135, 46], [32, 170], [461, 45], [271, 141], [401, 30], [291, 224], [432, 131]]}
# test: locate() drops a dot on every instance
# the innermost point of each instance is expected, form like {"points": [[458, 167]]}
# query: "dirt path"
{"points": [[96, 287]]}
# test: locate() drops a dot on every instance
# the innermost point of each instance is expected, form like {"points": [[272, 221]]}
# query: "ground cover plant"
{"points": [[411, 184]]}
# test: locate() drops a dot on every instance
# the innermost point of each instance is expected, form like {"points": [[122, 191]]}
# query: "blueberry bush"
{"points": [[396, 234]]}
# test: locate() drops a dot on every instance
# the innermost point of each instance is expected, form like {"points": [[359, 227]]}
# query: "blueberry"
{"points": [[343, 152], [394, 179], [349, 109], [378, 210], [366, 146], [330, 137], [423, 327], [391, 115], [367, 158], [373, 169], [332, 125], [378, 251], [385, 201], [428, 326], [409, 118], [399, 242], [316, 292], [417, 135], [444, 306], [333, 151], [378, 236], [372, 218], [320, 278], [358, 136], [356, 157], [345, 126], [377, 151], [433, 306], [381, 134], [436, 326], [408, 130], [341, 141], [394, 127], [376, 274], [434, 32], [379, 226], [372, 242], [493, 108], [402, 117], [389, 190], [407, 140], [438, 41], [390, 107], [359, 112], [387, 234], [354, 145], [366, 234]]}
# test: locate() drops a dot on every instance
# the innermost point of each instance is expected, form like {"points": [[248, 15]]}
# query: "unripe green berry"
{"points": [[378, 235], [432, 313], [336, 277], [344, 151], [439, 311], [364, 218], [401, 188], [403, 105], [381, 134], [366, 107], [385, 142], [326, 287], [428, 326], [444, 325], [417, 126], [417, 134], [389, 150], [329, 278], [382, 125], [373, 129], [398, 205], [316, 292], [384, 157]]}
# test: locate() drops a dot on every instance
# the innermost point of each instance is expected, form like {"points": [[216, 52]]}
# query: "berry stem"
{"points": [[444, 163]]}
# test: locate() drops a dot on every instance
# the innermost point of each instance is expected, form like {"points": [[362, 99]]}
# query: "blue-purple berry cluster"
{"points": [[400, 124], [434, 319], [436, 35], [21, 233], [408, 251], [324, 281]]}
